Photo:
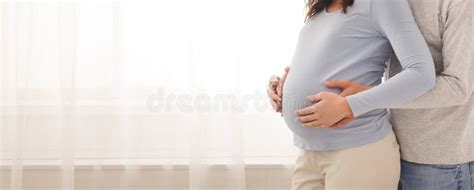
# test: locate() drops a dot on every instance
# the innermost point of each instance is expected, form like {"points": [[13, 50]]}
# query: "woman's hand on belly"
{"points": [[328, 109], [347, 88]]}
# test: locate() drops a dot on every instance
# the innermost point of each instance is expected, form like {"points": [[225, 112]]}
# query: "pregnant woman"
{"points": [[352, 40]]}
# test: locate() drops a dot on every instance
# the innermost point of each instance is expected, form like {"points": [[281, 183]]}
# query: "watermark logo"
{"points": [[190, 102]]}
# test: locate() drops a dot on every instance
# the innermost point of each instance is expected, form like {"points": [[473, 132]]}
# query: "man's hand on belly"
{"points": [[329, 108], [347, 87], [275, 90]]}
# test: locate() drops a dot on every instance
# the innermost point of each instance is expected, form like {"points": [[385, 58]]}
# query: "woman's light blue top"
{"points": [[356, 46]]}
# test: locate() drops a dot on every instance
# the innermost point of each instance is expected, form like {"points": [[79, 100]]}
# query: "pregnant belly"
{"points": [[295, 93]]}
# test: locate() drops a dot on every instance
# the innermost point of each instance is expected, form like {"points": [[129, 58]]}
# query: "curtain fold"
{"points": [[66, 26]]}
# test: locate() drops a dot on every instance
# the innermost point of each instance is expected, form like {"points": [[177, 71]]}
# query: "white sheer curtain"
{"points": [[136, 83]]}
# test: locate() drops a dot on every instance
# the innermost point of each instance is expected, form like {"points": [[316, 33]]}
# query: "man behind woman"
{"points": [[435, 130]]}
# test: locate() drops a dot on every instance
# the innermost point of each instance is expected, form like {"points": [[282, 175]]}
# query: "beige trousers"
{"points": [[374, 166]]}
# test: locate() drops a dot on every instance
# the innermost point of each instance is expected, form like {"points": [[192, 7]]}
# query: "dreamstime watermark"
{"points": [[160, 101]]}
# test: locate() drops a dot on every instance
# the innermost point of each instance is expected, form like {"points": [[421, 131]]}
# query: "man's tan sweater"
{"points": [[438, 127]]}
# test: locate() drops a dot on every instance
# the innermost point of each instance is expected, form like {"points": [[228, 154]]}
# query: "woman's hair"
{"points": [[316, 6]]}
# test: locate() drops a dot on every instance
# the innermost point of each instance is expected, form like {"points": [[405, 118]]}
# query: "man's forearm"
{"points": [[454, 85]]}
